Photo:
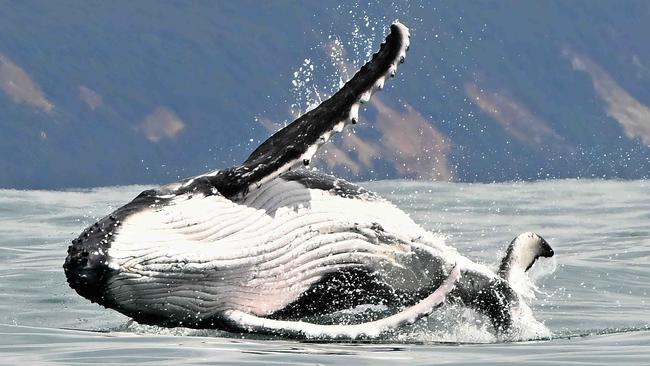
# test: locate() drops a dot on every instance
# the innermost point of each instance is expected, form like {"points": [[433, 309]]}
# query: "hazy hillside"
{"points": [[102, 93]]}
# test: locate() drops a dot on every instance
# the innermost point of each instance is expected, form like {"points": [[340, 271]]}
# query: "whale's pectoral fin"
{"points": [[296, 143], [244, 322]]}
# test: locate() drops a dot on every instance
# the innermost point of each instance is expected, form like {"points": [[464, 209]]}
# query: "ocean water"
{"points": [[595, 304]]}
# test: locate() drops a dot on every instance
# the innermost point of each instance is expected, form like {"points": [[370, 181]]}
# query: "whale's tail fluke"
{"points": [[496, 296], [522, 253]]}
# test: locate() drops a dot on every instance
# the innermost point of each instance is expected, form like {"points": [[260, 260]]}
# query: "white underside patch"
{"points": [[203, 255]]}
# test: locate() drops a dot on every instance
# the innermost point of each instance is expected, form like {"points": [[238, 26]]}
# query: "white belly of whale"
{"points": [[204, 255]]}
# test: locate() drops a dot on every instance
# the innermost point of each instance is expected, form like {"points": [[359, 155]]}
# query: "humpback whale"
{"points": [[262, 246]]}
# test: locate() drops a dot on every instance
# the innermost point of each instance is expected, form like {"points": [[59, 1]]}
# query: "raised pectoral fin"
{"points": [[296, 329], [298, 142]]}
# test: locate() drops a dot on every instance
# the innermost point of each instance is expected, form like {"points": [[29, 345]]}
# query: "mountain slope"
{"points": [[92, 93]]}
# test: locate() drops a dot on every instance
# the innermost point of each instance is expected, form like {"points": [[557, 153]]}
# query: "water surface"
{"points": [[595, 303]]}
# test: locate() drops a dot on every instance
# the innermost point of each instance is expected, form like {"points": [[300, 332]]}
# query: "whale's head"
{"points": [[87, 266], [147, 260]]}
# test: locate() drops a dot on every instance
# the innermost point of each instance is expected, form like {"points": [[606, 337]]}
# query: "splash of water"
{"points": [[525, 326], [525, 283], [316, 78]]}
